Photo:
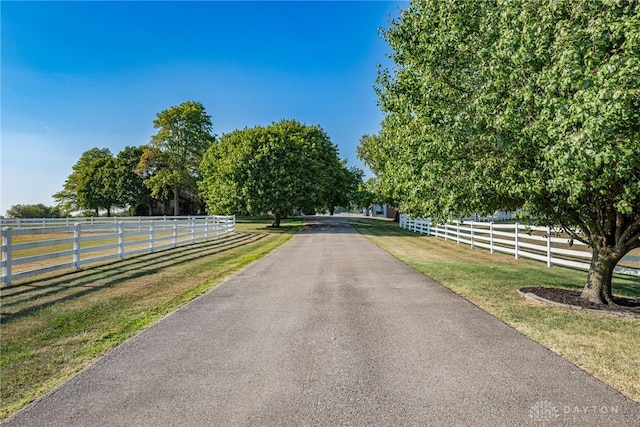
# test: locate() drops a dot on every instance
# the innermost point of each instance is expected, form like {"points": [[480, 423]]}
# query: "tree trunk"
{"points": [[176, 207], [276, 220], [332, 210], [598, 286]]}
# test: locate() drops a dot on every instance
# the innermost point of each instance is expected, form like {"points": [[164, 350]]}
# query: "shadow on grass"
{"points": [[379, 227], [623, 285], [103, 276]]}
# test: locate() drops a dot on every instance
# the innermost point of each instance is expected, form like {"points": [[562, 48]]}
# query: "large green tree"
{"points": [[532, 104], [382, 187], [98, 187], [130, 186], [344, 187], [273, 169], [172, 158], [101, 181], [67, 200]]}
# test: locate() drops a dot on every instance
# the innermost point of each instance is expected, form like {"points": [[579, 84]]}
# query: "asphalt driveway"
{"points": [[330, 330]]}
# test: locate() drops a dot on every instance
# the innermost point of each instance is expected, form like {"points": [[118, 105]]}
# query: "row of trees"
{"points": [[532, 105], [101, 181], [165, 168], [274, 169], [38, 210]]}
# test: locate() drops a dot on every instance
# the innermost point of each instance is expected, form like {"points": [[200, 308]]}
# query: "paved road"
{"points": [[330, 330]]}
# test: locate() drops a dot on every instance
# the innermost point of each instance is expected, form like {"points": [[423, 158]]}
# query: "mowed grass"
{"points": [[55, 325], [607, 346]]}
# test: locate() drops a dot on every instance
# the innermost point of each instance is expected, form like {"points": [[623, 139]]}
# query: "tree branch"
{"points": [[631, 236]]}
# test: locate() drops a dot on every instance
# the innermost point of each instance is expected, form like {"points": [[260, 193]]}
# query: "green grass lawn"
{"points": [[55, 325], [607, 346]]}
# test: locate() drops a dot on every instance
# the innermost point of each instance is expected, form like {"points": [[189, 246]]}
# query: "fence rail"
{"points": [[69, 221], [28, 251], [522, 241]]}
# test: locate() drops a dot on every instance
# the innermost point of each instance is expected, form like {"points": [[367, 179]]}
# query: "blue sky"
{"points": [[78, 75]]}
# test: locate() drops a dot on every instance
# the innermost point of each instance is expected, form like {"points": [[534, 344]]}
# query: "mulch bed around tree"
{"points": [[571, 298]]}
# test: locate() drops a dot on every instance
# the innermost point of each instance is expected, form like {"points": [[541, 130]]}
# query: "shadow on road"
{"points": [[327, 225], [353, 224]]}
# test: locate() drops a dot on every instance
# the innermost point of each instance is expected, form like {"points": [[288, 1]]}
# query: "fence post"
{"points": [[549, 247], [491, 236], [151, 236], [121, 240], [471, 224], [458, 231], [76, 246], [516, 241], [175, 232], [6, 255], [206, 229], [193, 230]]}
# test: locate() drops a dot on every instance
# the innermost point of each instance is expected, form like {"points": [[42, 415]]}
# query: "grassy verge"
{"points": [[606, 346], [54, 326]]}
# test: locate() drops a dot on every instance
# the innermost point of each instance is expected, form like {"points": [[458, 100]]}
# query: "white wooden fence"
{"points": [[69, 221], [99, 239], [538, 243]]}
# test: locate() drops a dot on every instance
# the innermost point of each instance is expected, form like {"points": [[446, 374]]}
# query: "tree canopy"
{"points": [[532, 105], [274, 169], [131, 189], [345, 187], [171, 160], [33, 211], [69, 199], [98, 187], [101, 181]]}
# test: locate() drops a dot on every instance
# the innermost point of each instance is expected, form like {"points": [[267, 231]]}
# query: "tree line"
{"points": [[279, 168], [531, 105]]}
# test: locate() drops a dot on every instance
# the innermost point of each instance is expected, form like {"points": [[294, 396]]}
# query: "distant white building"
{"points": [[380, 211]]}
